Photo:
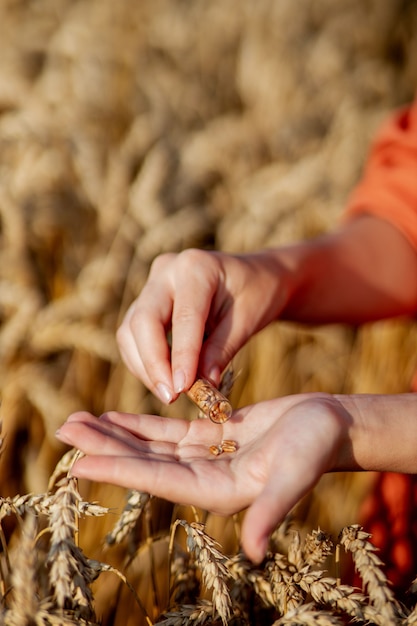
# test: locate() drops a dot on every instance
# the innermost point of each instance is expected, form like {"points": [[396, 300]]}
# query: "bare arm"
{"points": [[214, 302], [365, 271]]}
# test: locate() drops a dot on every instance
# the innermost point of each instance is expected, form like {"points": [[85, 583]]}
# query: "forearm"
{"points": [[363, 272], [380, 434]]}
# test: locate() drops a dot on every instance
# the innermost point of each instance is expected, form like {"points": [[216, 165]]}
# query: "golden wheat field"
{"points": [[128, 129]]}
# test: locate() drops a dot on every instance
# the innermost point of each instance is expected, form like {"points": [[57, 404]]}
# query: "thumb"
{"points": [[220, 347], [268, 510]]}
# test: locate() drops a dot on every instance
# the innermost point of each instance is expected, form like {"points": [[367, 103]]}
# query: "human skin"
{"points": [[284, 446], [213, 302]]}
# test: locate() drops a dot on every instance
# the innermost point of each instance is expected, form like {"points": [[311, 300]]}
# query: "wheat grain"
{"points": [[228, 445], [215, 450]]}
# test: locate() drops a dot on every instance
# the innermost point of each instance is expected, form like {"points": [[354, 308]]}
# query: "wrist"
{"points": [[382, 433]]}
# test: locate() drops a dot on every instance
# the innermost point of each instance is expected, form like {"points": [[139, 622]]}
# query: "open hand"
{"points": [[284, 446]]}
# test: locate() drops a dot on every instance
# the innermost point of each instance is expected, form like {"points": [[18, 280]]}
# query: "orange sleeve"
{"points": [[388, 188]]}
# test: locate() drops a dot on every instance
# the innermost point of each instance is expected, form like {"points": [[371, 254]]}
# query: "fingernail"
{"points": [[179, 381], [164, 393], [59, 435]]}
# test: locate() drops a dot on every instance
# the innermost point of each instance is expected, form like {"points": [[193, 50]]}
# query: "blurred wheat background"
{"points": [[128, 129]]}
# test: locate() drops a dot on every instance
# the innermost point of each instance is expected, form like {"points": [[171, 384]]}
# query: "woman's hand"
{"points": [[284, 446], [211, 303]]}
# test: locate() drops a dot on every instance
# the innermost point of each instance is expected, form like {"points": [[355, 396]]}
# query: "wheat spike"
{"points": [[186, 614], [69, 573], [411, 619], [307, 615], [317, 547], [136, 502], [24, 603], [355, 540], [40, 504], [62, 467], [326, 590], [185, 584], [244, 574], [212, 565]]}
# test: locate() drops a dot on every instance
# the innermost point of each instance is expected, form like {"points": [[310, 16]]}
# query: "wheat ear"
{"points": [[411, 619], [211, 563], [69, 573], [187, 614], [356, 541], [245, 575], [307, 615], [135, 504], [317, 547], [24, 600]]}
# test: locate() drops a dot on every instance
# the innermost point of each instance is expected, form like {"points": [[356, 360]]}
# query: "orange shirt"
{"points": [[388, 188]]}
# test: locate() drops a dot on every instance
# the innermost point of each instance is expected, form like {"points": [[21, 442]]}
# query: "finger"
{"points": [[180, 432], [266, 512], [91, 435], [220, 347], [196, 282], [237, 322], [143, 343], [147, 427], [185, 483], [129, 350], [113, 431]]}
